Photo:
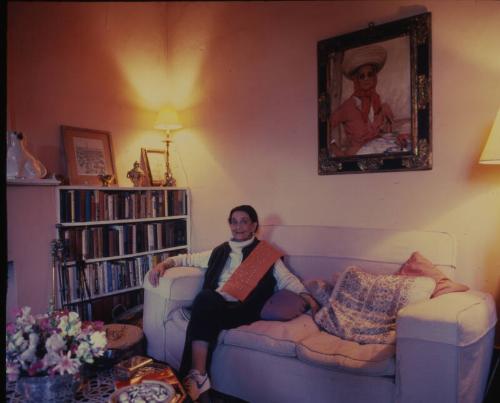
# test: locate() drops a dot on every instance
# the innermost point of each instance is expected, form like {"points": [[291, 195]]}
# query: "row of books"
{"points": [[117, 240], [82, 205], [81, 281], [177, 202]]}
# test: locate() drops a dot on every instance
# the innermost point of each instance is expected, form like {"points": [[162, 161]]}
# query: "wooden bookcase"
{"points": [[112, 236]]}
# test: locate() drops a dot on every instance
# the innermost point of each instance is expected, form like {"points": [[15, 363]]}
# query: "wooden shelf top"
{"points": [[32, 182]]}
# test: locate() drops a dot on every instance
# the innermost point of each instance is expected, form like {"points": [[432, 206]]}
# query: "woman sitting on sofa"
{"points": [[241, 275]]}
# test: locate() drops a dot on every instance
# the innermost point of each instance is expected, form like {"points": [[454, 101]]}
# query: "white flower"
{"points": [[70, 325], [30, 353], [50, 359], [33, 340], [99, 342], [26, 315], [83, 352], [67, 364], [25, 320], [19, 341], [55, 343]]}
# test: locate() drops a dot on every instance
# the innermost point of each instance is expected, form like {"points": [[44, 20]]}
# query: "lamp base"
{"points": [[169, 180]]}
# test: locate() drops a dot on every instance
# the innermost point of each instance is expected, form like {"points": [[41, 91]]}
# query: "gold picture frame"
{"points": [[89, 154], [154, 165]]}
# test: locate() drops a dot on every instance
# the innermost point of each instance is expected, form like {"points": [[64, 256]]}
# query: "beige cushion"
{"points": [[330, 351], [418, 265], [273, 337], [363, 306]]}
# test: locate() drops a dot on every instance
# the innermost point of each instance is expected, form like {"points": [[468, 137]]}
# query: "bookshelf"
{"points": [[112, 236]]}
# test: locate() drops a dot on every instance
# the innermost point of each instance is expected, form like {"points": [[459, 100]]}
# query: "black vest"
{"points": [[217, 261]]}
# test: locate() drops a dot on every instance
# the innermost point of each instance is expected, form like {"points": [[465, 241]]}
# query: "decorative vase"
{"points": [[21, 164], [56, 388]]}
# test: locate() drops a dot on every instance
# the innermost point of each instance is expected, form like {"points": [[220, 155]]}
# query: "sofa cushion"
{"points": [[363, 306], [283, 305], [273, 337], [319, 289], [418, 265], [330, 351]]}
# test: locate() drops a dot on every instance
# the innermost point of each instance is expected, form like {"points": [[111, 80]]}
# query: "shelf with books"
{"points": [[113, 236]]}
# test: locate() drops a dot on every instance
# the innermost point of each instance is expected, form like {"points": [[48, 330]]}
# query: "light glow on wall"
{"points": [[159, 69]]}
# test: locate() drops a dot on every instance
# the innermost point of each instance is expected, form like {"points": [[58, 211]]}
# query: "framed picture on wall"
{"points": [[154, 165], [89, 154], [374, 99]]}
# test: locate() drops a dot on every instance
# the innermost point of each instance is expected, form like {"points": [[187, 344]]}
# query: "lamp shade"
{"points": [[491, 152], [167, 119]]}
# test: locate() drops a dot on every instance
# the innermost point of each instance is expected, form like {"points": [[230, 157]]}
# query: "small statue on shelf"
{"points": [[136, 174], [106, 179]]}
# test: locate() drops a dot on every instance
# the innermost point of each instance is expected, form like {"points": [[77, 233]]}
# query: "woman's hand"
{"points": [[311, 302], [159, 270]]}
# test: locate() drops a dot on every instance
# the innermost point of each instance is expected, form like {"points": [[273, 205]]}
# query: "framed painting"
{"points": [[154, 165], [374, 99], [89, 154]]}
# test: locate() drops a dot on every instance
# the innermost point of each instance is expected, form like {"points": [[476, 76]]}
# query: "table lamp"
{"points": [[168, 120], [491, 151]]}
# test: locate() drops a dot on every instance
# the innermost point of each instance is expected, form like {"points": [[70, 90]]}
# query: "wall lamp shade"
{"points": [[491, 152], [168, 119]]}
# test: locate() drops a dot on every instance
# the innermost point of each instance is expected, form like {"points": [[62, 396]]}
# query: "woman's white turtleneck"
{"points": [[284, 278]]}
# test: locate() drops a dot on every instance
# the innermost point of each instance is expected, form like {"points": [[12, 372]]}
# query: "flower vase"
{"points": [[55, 388]]}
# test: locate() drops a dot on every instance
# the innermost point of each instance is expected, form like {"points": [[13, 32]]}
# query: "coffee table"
{"points": [[99, 386]]}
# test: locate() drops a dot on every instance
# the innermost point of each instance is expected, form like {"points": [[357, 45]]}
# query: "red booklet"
{"points": [[251, 270]]}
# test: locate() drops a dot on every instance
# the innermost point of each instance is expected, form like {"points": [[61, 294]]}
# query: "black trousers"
{"points": [[210, 314]]}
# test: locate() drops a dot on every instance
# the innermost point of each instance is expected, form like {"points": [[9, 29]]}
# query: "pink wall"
{"points": [[30, 230], [244, 76]]}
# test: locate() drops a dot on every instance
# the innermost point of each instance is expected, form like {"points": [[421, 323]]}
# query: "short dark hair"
{"points": [[246, 209]]}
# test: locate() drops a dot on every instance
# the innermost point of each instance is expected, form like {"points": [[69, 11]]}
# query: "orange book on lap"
{"points": [[248, 274]]}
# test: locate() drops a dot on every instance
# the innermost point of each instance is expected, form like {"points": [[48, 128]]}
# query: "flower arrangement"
{"points": [[51, 344]]}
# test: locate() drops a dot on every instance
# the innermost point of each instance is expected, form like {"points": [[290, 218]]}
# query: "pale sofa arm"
{"points": [[177, 287], [444, 347]]}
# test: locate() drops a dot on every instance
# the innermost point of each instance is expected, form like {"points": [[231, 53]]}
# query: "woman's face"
{"points": [[366, 76], [242, 227]]}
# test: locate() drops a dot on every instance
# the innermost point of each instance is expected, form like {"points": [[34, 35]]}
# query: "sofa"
{"points": [[443, 345]]}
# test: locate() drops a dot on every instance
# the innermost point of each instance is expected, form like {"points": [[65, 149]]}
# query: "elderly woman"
{"points": [[225, 302], [363, 116]]}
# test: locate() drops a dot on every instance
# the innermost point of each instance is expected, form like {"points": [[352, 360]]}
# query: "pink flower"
{"points": [[12, 371], [44, 324], [92, 326], [67, 364], [11, 328], [35, 367]]}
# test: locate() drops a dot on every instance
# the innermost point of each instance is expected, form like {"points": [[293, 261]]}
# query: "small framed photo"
{"points": [[374, 99], [154, 165], [88, 154]]}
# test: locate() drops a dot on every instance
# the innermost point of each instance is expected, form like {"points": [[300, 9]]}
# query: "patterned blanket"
{"points": [[363, 306]]}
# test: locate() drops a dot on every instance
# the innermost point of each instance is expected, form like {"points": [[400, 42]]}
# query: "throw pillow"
{"points": [[418, 265], [320, 290], [283, 305], [363, 306]]}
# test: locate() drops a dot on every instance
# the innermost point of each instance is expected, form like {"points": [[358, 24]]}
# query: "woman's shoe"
{"points": [[195, 384]]}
